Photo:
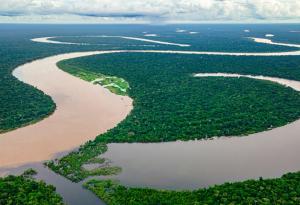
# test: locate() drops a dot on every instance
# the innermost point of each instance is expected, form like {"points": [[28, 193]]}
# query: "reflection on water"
{"points": [[195, 164]]}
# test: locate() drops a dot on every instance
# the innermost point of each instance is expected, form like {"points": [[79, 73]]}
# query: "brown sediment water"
{"points": [[84, 110]]}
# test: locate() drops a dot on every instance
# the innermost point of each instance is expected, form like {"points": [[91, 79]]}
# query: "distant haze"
{"points": [[149, 11]]}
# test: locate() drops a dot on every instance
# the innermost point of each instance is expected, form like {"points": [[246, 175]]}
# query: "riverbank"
{"points": [[144, 152], [194, 164], [83, 110], [56, 133]]}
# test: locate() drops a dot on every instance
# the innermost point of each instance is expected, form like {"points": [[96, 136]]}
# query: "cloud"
{"points": [[150, 10], [11, 13]]}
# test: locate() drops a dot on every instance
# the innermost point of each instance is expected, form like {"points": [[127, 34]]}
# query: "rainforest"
{"points": [[65, 105]]}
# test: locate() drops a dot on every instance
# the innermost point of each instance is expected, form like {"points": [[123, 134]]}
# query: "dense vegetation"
{"points": [[115, 84], [199, 107], [21, 104], [284, 190], [23, 190], [207, 40], [72, 165]]}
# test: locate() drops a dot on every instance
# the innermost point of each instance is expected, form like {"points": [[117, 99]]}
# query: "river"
{"points": [[85, 110]]}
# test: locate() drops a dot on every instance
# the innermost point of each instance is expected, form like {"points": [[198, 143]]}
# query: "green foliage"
{"points": [[29, 173], [284, 190], [116, 85], [170, 104], [21, 105], [21, 190], [198, 108], [104, 171], [71, 166], [162, 107]]}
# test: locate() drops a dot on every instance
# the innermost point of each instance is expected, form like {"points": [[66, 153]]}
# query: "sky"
{"points": [[149, 11]]}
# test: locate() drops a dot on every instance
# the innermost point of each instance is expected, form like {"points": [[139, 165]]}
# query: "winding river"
{"points": [[202, 163], [85, 110]]}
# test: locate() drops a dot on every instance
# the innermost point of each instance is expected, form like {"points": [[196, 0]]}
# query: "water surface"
{"points": [[84, 110], [195, 164], [72, 193], [203, 163]]}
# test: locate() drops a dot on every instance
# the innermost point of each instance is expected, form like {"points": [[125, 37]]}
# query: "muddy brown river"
{"points": [[85, 110]]}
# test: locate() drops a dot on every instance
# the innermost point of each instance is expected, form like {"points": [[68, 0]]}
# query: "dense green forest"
{"points": [[23, 190], [154, 80], [284, 190], [21, 104], [206, 41], [199, 107]]}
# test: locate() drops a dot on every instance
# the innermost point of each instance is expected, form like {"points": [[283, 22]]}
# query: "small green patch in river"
{"points": [[74, 165]]}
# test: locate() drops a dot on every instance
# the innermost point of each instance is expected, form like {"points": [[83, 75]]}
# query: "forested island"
{"points": [[71, 166]]}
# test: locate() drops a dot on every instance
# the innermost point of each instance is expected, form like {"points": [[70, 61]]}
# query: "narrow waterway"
{"points": [[72, 193]]}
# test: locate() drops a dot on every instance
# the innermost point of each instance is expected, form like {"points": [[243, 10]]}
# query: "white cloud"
{"points": [[135, 11]]}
